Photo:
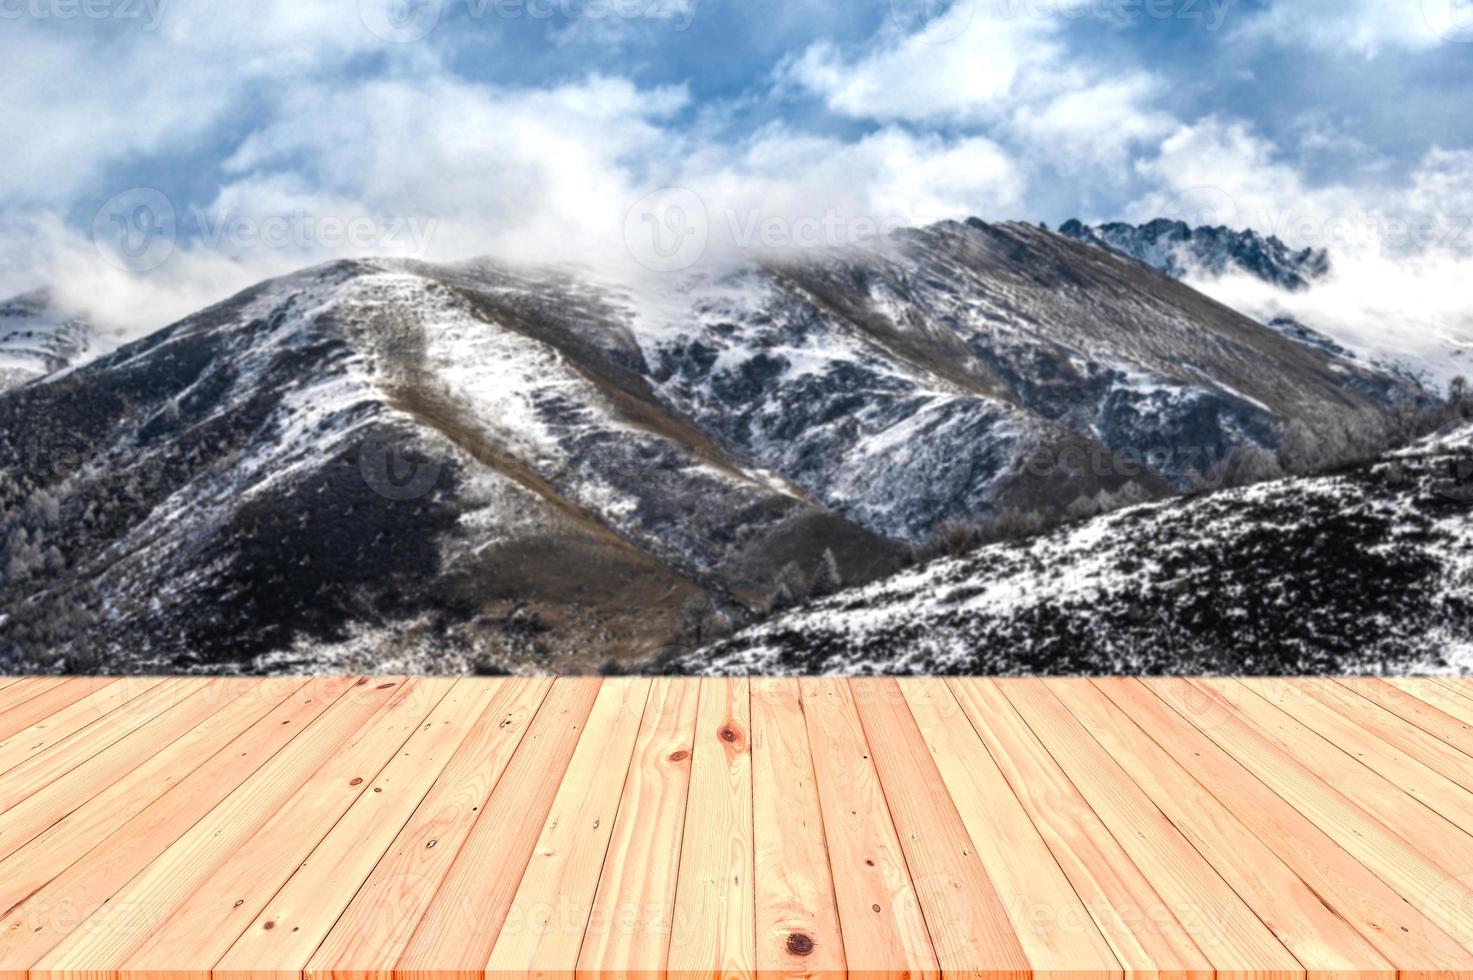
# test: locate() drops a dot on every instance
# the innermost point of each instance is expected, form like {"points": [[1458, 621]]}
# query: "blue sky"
{"points": [[532, 129]]}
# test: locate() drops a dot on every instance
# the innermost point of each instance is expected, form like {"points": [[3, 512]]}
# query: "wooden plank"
{"points": [[1441, 697], [797, 920], [78, 831], [47, 891], [1365, 745], [1057, 932], [633, 913], [1427, 749], [969, 927], [1458, 685], [205, 901], [284, 934], [1422, 713], [1321, 936], [22, 690], [543, 930], [60, 710], [1241, 943], [1145, 931], [1415, 945], [90, 726], [1410, 873], [460, 926], [373, 931], [714, 888], [1371, 791], [879, 915], [95, 773], [111, 931]]}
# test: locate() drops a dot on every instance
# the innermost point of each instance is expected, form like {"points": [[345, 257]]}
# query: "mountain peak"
{"points": [[1179, 250], [36, 338]]}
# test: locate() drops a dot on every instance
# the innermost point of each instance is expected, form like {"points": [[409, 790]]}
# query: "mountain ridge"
{"points": [[522, 468], [1364, 570]]}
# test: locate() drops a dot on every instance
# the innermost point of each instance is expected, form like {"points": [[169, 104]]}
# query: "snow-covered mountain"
{"points": [[37, 339], [1343, 310], [1179, 250], [1369, 569], [476, 466]]}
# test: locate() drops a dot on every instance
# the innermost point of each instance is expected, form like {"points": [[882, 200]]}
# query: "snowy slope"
{"points": [[484, 467], [368, 446], [1184, 252], [1366, 570], [36, 339], [860, 373], [1402, 316]]}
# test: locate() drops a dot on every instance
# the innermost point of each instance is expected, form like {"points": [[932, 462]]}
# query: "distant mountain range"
{"points": [[1180, 250], [397, 465]]}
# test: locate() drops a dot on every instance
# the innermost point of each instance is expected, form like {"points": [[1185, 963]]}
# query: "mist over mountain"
{"points": [[400, 465], [1180, 250], [36, 339]]}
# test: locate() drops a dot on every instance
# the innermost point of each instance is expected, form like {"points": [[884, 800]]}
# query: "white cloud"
{"points": [[1401, 250], [1366, 28], [1093, 130], [966, 65], [999, 65]]}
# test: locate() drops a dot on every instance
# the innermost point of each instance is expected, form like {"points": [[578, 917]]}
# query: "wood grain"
{"points": [[1244, 944], [440, 829], [879, 915], [544, 927], [714, 931], [633, 912], [797, 920], [373, 931]]}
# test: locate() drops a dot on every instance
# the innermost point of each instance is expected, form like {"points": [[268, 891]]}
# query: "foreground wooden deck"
{"points": [[353, 826]]}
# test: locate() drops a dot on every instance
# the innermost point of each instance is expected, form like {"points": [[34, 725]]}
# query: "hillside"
{"points": [[484, 467], [1366, 570]]}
